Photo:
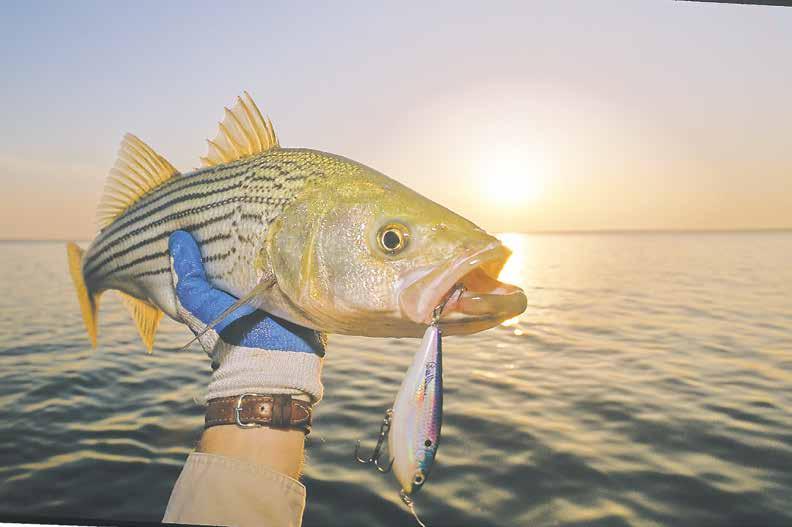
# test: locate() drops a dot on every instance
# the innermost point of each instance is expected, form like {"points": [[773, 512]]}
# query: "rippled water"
{"points": [[648, 383]]}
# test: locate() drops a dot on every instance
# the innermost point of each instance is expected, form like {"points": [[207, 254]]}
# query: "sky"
{"points": [[524, 116]]}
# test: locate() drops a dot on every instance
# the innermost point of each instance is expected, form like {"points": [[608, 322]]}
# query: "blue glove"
{"points": [[252, 352]]}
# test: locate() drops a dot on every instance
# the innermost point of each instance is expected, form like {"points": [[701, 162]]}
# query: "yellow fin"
{"points": [[146, 317], [137, 171], [244, 132], [88, 303]]}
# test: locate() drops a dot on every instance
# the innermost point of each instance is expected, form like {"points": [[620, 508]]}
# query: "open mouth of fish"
{"points": [[484, 301]]}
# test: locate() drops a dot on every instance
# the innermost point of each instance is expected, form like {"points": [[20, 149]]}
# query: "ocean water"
{"points": [[648, 383]]}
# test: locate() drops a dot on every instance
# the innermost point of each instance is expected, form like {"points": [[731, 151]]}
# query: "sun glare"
{"points": [[513, 176], [514, 272]]}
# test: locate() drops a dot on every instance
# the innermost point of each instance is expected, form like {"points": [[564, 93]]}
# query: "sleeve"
{"points": [[218, 490]]}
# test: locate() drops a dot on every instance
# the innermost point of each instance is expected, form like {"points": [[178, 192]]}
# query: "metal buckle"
{"points": [[239, 408]]}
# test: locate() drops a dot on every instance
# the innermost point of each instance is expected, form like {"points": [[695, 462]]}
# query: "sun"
{"points": [[512, 175]]}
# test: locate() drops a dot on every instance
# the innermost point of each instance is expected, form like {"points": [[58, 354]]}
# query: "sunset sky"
{"points": [[523, 117]]}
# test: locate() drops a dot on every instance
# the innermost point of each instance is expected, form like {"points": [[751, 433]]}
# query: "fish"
{"points": [[308, 236]]}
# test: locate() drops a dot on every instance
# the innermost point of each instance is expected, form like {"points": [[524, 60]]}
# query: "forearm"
{"points": [[244, 476], [280, 450]]}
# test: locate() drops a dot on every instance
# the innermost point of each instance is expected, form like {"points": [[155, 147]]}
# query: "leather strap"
{"points": [[254, 409]]}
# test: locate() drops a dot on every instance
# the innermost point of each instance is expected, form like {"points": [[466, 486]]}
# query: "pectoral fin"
{"points": [[146, 317]]}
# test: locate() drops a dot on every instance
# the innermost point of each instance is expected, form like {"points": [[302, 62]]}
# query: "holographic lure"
{"points": [[417, 417], [412, 426]]}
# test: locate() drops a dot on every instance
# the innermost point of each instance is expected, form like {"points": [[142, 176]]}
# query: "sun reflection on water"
{"points": [[514, 270]]}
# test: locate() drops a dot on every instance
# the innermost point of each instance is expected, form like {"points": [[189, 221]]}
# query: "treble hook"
{"points": [[438, 311], [375, 454]]}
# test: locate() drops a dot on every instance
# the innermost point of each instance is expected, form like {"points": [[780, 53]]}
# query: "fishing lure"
{"points": [[417, 418], [412, 426]]}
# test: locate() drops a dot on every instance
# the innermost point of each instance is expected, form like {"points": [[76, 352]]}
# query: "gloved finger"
{"points": [[185, 256], [193, 290], [261, 330]]}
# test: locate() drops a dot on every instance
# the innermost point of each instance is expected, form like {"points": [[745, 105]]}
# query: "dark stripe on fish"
{"points": [[178, 184], [153, 272], [138, 214], [97, 262], [146, 207], [96, 266], [164, 270], [97, 255], [207, 175], [152, 256], [212, 175], [209, 276], [184, 198]]}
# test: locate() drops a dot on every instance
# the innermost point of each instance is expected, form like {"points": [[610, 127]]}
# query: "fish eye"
{"points": [[419, 478], [392, 238]]}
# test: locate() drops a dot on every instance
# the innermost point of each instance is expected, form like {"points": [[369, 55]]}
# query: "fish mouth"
{"points": [[484, 301]]}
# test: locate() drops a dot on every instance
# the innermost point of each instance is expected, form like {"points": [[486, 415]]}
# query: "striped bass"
{"points": [[322, 241]]}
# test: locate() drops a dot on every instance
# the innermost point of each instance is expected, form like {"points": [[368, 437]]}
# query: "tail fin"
{"points": [[88, 304]]}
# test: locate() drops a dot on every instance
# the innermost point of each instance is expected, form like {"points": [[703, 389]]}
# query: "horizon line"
{"points": [[538, 231]]}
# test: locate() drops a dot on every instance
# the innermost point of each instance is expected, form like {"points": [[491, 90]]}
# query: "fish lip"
{"points": [[425, 288]]}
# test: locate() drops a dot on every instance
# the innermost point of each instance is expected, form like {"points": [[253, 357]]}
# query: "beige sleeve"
{"points": [[218, 490]]}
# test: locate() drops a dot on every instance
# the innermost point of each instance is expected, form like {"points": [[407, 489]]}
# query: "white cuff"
{"points": [[253, 370]]}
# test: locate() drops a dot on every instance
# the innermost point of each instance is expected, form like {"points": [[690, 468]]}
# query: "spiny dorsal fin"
{"points": [[137, 171], [146, 317], [244, 132]]}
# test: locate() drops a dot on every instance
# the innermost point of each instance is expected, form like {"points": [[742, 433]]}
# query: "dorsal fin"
{"points": [[137, 171], [146, 317], [244, 132]]}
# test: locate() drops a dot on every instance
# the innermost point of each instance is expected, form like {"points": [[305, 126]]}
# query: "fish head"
{"points": [[359, 253]]}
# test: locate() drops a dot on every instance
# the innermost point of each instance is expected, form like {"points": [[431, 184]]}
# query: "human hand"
{"points": [[252, 352]]}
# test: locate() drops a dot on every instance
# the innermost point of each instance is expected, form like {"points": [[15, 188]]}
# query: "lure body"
{"points": [[417, 415]]}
